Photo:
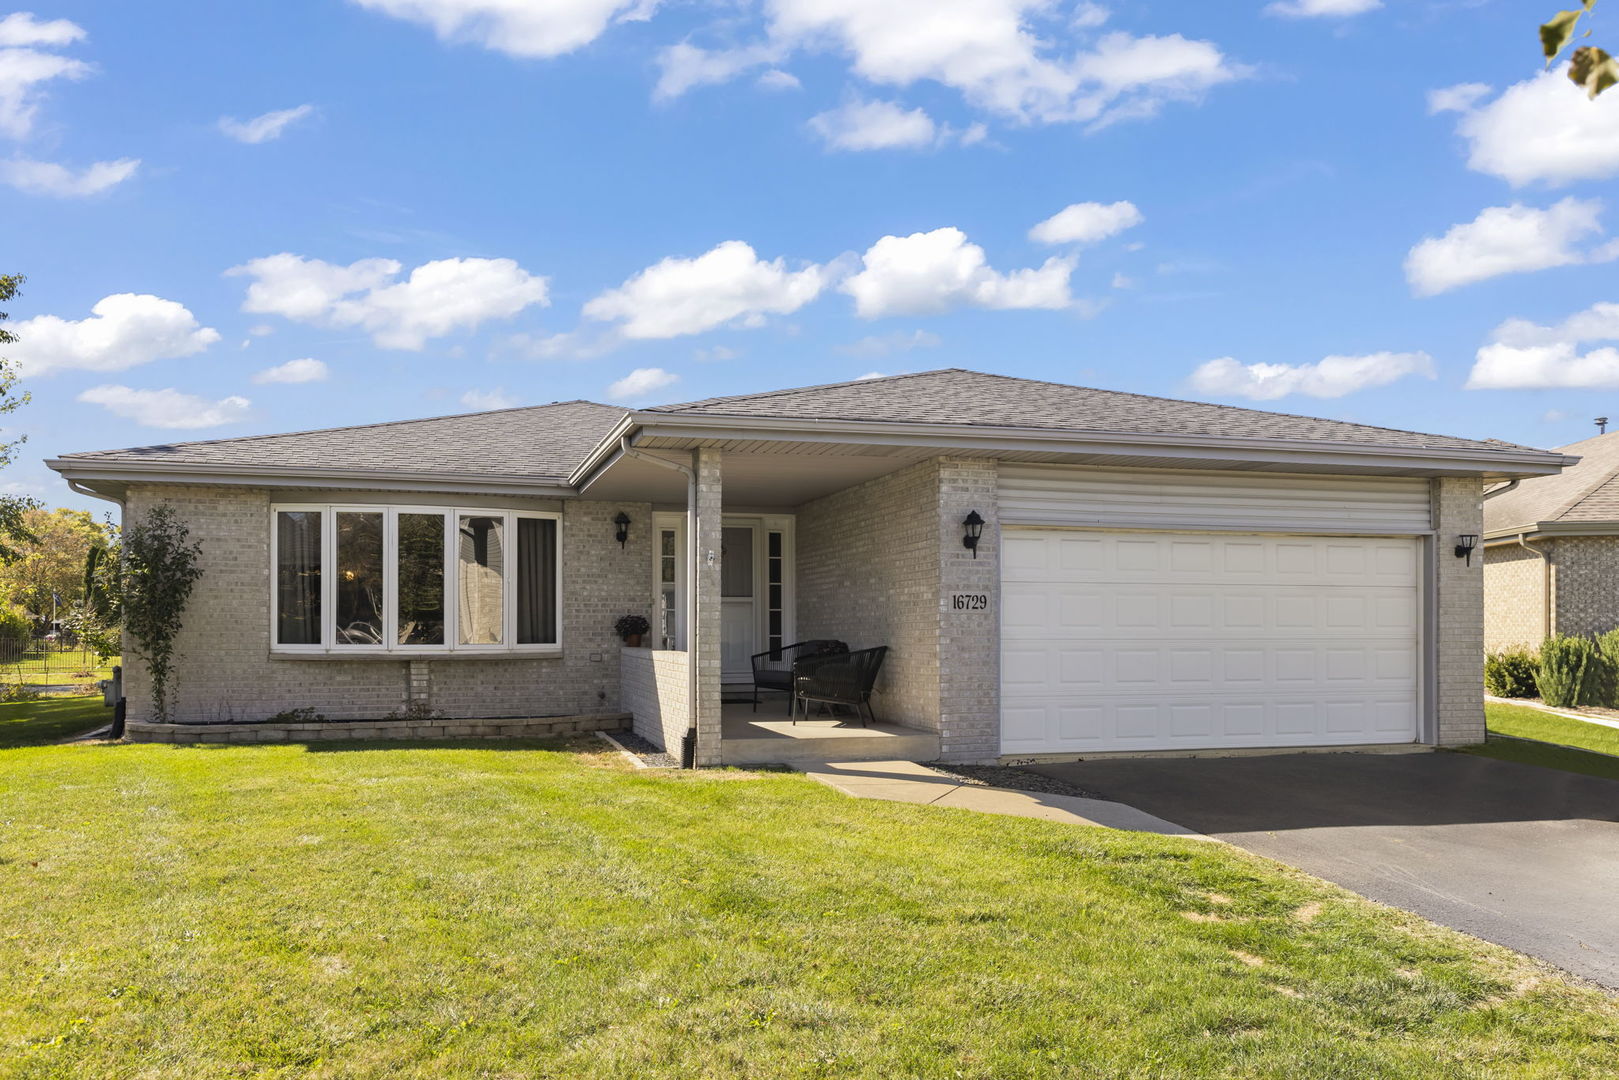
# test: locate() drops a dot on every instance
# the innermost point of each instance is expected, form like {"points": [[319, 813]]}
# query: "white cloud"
{"points": [[1505, 240], [1123, 281], [527, 28], [685, 66], [438, 298], [1522, 355], [21, 29], [777, 79], [1086, 223], [889, 344], [123, 331], [1459, 98], [999, 54], [927, 273], [263, 128], [294, 371], [48, 178], [1321, 9], [23, 72], [874, 125], [168, 408], [1544, 129], [687, 296], [1331, 377], [485, 400], [641, 383]]}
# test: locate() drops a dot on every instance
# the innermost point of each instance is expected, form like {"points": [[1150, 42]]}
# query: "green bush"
{"points": [[1602, 677], [1566, 663], [1511, 673]]}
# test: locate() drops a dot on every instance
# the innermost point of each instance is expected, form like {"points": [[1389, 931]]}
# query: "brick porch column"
{"points": [[969, 638], [1458, 616], [705, 583]]}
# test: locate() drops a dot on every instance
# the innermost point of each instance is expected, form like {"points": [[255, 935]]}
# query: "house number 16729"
{"points": [[970, 602]]}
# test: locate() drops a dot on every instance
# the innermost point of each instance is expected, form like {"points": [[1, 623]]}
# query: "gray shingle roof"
{"points": [[1588, 491], [540, 443], [958, 396]]}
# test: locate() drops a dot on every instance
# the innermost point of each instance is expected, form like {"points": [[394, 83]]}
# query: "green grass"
{"points": [[1570, 745], [50, 719], [542, 910], [57, 668]]}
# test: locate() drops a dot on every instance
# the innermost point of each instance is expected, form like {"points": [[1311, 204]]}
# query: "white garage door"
{"points": [[1164, 641]]}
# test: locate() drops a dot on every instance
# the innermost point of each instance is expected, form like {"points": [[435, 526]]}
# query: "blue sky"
{"points": [[1379, 212]]}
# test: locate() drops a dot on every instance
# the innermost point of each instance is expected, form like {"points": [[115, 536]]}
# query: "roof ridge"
{"points": [[679, 406], [343, 427]]}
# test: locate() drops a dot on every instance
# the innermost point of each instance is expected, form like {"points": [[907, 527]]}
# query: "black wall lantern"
{"points": [[1465, 544], [974, 526], [621, 525]]}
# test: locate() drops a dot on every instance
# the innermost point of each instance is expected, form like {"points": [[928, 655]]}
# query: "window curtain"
{"points": [[298, 577], [536, 581]]}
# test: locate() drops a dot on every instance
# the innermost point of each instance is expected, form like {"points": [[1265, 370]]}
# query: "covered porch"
{"points": [[766, 736]]}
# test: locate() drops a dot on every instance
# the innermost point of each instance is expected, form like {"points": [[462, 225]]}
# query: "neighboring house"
{"points": [[1153, 575], [1551, 550]]}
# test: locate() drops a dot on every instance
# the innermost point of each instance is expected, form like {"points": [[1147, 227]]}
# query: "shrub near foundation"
{"points": [[1566, 662], [1511, 673]]}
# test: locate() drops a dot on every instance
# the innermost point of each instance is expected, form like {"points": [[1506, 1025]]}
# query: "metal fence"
{"points": [[60, 659]]}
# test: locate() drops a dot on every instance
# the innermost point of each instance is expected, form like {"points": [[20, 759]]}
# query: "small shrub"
{"points": [[298, 716], [1602, 681], [415, 710], [1566, 661], [1511, 673], [19, 691]]}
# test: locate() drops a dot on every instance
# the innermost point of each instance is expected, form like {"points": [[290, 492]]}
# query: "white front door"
{"points": [[739, 596], [1169, 641]]}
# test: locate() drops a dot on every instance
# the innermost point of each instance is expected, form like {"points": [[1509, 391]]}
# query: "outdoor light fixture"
{"points": [[622, 524], [1465, 544], [974, 526]]}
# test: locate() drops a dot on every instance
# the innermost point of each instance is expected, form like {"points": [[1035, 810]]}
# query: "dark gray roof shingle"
{"points": [[958, 396], [540, 443]]}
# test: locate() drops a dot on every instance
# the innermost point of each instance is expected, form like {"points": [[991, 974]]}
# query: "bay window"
{"points": [[395, 579]]}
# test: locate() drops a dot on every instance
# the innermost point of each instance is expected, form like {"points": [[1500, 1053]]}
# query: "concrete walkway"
{"points": [[906, 781]]}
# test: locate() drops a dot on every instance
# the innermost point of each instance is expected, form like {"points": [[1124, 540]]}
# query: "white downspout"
{"points": [[691, 571], [1545, 585]]}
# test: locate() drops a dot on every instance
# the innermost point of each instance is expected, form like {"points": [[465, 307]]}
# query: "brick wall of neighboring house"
{"points": [[225, 670], [1515, 595], [655, 692], [868, 574], [1459, 679], [1585, 583]]}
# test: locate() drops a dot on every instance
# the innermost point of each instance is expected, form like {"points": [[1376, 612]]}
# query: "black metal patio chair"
{"points": [[838, 680], [773, 669]]}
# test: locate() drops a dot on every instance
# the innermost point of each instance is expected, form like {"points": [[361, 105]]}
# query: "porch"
{"points": [[766, 737]]}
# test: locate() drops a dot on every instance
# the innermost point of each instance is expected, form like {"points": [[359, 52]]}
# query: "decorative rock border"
{"points": [[538, 727]]}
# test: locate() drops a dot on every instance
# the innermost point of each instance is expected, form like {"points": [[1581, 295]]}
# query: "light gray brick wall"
{"points": [[969, 638], [225, 669], [1515, 596], [1585, 584], [1459, 626], [654, 690], [705, 637], [868, 574]]}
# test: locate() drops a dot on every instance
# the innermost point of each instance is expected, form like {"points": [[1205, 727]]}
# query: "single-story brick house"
{"points": [[1551, 550], [1152, 575]]}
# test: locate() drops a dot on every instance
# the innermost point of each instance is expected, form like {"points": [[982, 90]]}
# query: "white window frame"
{"points": [[663, 521], [390, 553]]}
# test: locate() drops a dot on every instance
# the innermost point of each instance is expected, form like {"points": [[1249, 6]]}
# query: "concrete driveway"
{"points": [[1523, 856]]}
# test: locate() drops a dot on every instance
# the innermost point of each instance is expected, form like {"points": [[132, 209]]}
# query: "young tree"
{"points": [[1589, 67], [158, 569], [13, 529]]}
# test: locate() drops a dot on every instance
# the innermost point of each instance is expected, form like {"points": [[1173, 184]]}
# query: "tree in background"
{"points": [[46, 575], [13, 529], [1589, 67]]}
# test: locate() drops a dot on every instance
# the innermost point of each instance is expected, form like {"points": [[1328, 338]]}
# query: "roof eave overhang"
{"points": [[1495, 464], [113, 475], [1552, 528]]}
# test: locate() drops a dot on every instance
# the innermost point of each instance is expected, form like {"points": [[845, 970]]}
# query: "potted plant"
{"points": [[630, 628]]}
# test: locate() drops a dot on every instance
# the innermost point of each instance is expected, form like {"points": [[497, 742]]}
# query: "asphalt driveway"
{"points": [[1520, 855]]}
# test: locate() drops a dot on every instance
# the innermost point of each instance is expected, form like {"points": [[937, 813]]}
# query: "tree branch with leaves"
{"points": [[14, 529], [1589, 67]]}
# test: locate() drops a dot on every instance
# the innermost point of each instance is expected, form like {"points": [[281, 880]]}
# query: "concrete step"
{"points": [[877, 746]]}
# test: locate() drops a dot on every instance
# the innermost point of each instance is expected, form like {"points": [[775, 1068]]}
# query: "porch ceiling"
{"points": [[772, 480]]}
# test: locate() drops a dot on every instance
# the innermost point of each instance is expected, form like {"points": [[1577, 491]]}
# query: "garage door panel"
{"points": [[1232, 641]]}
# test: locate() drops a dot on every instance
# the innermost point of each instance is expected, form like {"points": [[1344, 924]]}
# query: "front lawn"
{"points": [[50, 719], [543, 910], [1560, 743]]}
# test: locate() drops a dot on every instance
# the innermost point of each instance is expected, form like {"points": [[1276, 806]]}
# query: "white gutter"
{"points": [[128, 472], [690, 473]]}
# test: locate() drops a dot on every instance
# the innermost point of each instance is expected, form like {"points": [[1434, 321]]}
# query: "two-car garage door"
{"points": [[1160, 641]]}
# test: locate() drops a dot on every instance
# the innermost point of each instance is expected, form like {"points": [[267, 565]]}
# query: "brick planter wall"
{"points": [[430, 728]]}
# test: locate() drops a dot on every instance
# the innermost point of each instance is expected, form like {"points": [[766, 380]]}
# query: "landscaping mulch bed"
{"points": [[1006, 776], [649, 755]]}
